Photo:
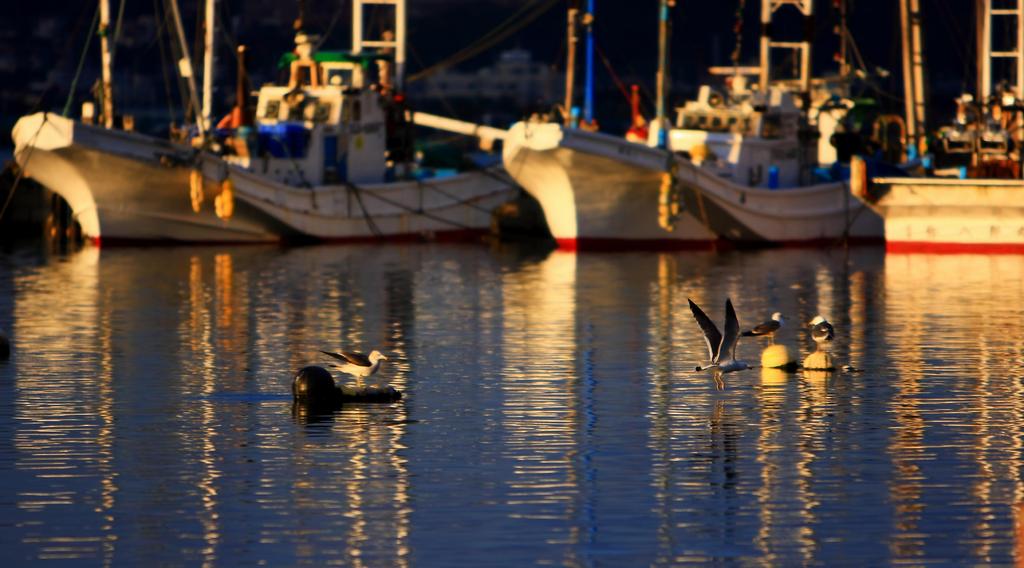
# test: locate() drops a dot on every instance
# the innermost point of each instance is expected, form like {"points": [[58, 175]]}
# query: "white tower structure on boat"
{"points": [[803, 46], [395, 43], [994, 15]]}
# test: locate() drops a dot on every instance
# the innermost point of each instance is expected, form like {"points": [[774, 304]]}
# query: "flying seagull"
{"points": [[357, 364], [767, 328], [721, 348], [821, 331]]}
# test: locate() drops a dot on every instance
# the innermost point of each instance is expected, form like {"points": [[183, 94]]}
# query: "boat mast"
{"points": [[662, 80], [913, 71], [107, 74], [570, 63], [588, 93], [208, 54], [396, 43], [185, 67]]}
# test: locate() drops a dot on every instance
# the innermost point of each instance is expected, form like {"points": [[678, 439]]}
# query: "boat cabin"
{"points": [[326, 125], [743, 134]]}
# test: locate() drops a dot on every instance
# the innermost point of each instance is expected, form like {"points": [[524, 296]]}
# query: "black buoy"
{"points": [[5, 348], [314, 383]]}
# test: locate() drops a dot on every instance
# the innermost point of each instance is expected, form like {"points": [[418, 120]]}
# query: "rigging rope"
{"points": [[366, 214], [491, 38], [117, 33], [81, 63], [164, 61], [737, 29], [330, 26], [21, 170], [615, 77]]}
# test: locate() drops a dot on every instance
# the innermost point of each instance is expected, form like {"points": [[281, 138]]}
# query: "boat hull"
{"points": [[453, 208], [950, 215], [119, 188], [821, 214], [598, 189], [125, 187]]}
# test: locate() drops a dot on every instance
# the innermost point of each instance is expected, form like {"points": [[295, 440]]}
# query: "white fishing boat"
{"points": [[737, 166], [598, 191], [975, 201], [326, 157]]}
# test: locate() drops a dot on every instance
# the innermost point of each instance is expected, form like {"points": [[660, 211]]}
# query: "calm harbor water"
{"points": [[552, 414]]}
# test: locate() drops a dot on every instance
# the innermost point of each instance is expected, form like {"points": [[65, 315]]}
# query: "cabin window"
{"points": [[322, 112], [272, 109], [771, 126], [339, 77]]}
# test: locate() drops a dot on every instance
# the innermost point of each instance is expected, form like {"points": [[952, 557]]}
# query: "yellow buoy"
{"points": [[224, 204], [819, 361], [778, 356], [195, 187]]}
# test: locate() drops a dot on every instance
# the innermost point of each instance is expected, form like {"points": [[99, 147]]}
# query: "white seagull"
{"points": [[821, 331], [721, 348], [767, 328], [357, 364]]}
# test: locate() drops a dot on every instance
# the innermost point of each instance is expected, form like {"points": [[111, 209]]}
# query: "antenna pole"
{"points": [[107, 77], [588, 96], [570, 63], [208, 61], [662, 81]]}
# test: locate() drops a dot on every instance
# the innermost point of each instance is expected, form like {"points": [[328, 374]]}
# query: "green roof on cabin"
{"points": [[363, 59]]}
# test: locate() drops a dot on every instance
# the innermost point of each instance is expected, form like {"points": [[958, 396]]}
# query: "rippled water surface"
{"points": [[552, 414]]}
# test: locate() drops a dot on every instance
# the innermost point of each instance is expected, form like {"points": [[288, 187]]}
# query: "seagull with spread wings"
{"points": [[721, 348]]}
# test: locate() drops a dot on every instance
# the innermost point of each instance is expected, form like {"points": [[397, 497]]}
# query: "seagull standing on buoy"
{"points": [[357, 364], [821, 332], [767, 328], [721, 348]]}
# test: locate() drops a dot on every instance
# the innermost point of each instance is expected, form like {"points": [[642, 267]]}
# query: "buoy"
{"points": [[314, 385], [778, 356], [5, 348], [195, 189], [819, 361], [224, 204]]}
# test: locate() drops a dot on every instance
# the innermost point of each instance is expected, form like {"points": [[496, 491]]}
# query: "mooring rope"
{"points": [[21, 170]]}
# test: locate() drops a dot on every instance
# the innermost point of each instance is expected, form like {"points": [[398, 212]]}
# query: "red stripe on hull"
{"points": [[954, 248], [133, 242], [607, 244], [454, 236], [458, 236], [600, 244]]}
